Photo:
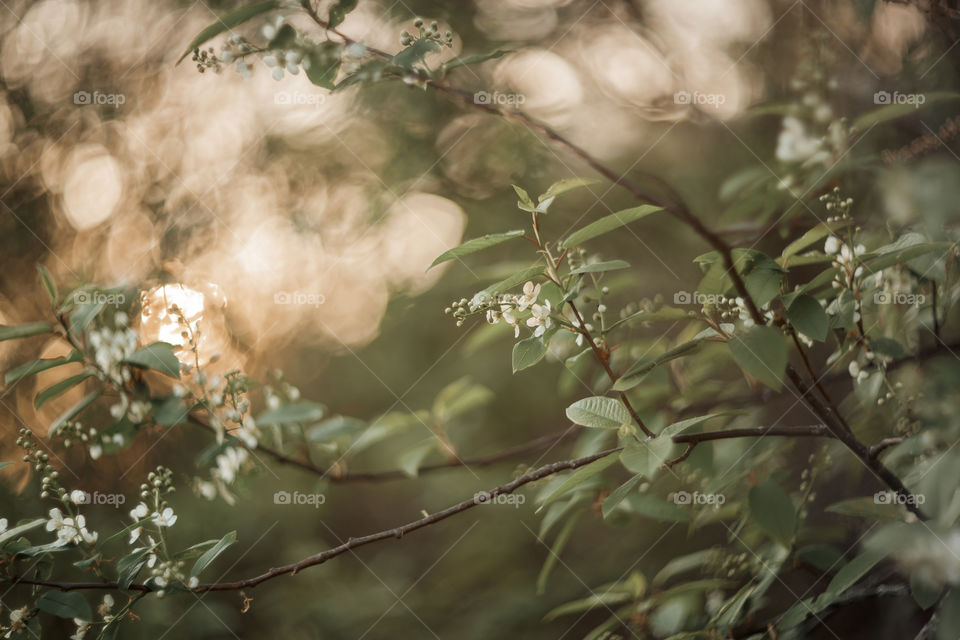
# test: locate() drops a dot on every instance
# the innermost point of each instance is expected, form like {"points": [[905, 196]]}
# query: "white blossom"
{"points": [[540, 318], [165, 518]]}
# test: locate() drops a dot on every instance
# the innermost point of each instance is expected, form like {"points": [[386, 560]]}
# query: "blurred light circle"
{"points": [[92, 189]]}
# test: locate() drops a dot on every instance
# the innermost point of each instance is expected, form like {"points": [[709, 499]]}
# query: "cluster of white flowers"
{"points": [[112, 346], [744, 313], [18, 621], [163, 518], [234, 48], [70, 529], [104, 610], [289, 60], [507, 308]]}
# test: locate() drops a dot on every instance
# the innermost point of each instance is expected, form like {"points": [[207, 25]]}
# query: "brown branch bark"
{"points": [[352, 543]]}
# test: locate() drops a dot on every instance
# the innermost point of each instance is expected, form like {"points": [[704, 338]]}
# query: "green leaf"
{"points": [[292, 413], [14, 533], [556, 550], [476, 244], [49, 285], [409, 462], [635, 374], [510, 282], [12, 332], [600, 267], [33, 368], [56, 389], [460, 397], [807, 316], [158, 356], [867, 507], [65, 604], [83, 314], [228, 21], [526, 203], [949, 626], [415, 53], [325, 59], [656, 508], [129, 566], [761, 352], [74, 411], [815, 234], [609, 223], [891, 111], [646, 457], [772, 509], [474, 59], [924, 592], [682, 425], [210, 554], [169, 411], [851, 573], [565, 186], [599, 412], [689, 562], [528, 352], [822, 556], [619, 494], [577, 478]]}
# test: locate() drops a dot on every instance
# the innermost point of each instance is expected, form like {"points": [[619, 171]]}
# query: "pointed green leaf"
{"points": [[12, 332], [577, 478], [48, 284], [476, 244], [210, 554], [528, 352], [54, 390], [634, 375], [600, 267], [599, 412], [609, 223], [808, 317], [565, 186], [33, 368], [761, 352], [292, 413], [65, 604], [158, 356], [772, 509], [619, 494], [74, 411]]}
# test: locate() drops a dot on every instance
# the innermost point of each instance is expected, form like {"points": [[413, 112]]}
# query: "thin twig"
{"points": [[352, 543]]}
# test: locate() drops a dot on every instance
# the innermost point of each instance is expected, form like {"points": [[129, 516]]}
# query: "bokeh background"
{"points": [[119, 167]]}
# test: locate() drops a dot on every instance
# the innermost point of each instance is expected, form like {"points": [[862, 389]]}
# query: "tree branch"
{"points": [[536, 444], [352, 543]]}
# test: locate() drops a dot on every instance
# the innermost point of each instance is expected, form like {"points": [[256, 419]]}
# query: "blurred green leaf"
{"points": [[761, 352], [228, 21], [772, 509], [158, 356], [476, 244], [12, 332]]}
